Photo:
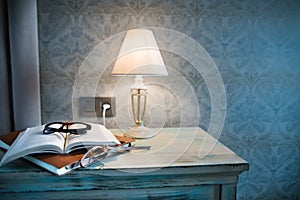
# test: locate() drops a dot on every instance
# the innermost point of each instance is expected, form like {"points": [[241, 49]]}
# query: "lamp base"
{"points": [[139, 132]]}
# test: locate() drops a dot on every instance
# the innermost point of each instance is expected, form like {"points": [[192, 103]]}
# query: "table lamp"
{"points": [[139, 56]]}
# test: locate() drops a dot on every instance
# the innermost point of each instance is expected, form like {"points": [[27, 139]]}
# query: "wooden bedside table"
{"points": [[171, 169]]}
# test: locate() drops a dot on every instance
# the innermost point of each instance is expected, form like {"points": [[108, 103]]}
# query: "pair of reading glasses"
{"points": [[76, 128], [94, 154], [98, 153]]}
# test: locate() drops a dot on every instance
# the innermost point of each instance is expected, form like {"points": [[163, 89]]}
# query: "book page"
{"points": [[98, 135], [32, 140]]}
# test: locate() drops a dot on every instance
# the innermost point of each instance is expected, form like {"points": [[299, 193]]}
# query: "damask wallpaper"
{"points": [[254, 43]]}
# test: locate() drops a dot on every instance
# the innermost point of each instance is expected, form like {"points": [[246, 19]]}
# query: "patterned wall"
{"points": [[255, 44]]}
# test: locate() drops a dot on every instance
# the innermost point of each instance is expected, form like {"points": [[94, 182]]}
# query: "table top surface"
{"points": [[172, 148]]}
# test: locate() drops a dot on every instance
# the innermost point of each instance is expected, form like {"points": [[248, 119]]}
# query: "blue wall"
{"points": [[255, 44]]}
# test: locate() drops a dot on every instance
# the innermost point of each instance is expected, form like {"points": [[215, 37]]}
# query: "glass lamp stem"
{"points": [[138, 101]]}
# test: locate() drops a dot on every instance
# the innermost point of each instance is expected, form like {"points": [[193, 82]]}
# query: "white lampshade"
{"points": [[139, 55]]}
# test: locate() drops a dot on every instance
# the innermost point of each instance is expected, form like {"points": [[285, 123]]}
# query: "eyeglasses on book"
{"points": [[76, 128]]}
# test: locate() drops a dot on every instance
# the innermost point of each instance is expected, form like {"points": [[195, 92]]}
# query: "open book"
{"points": [[33, 140]]}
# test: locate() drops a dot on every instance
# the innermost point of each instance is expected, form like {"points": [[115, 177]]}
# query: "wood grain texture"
{"points": [[125, 176]]}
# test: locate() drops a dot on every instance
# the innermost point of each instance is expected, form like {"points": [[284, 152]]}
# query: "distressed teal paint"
{"points": [[255, 44], [140, 175]]}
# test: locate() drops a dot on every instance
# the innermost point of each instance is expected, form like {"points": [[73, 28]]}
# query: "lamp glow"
{"points": [[139, 56]]}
